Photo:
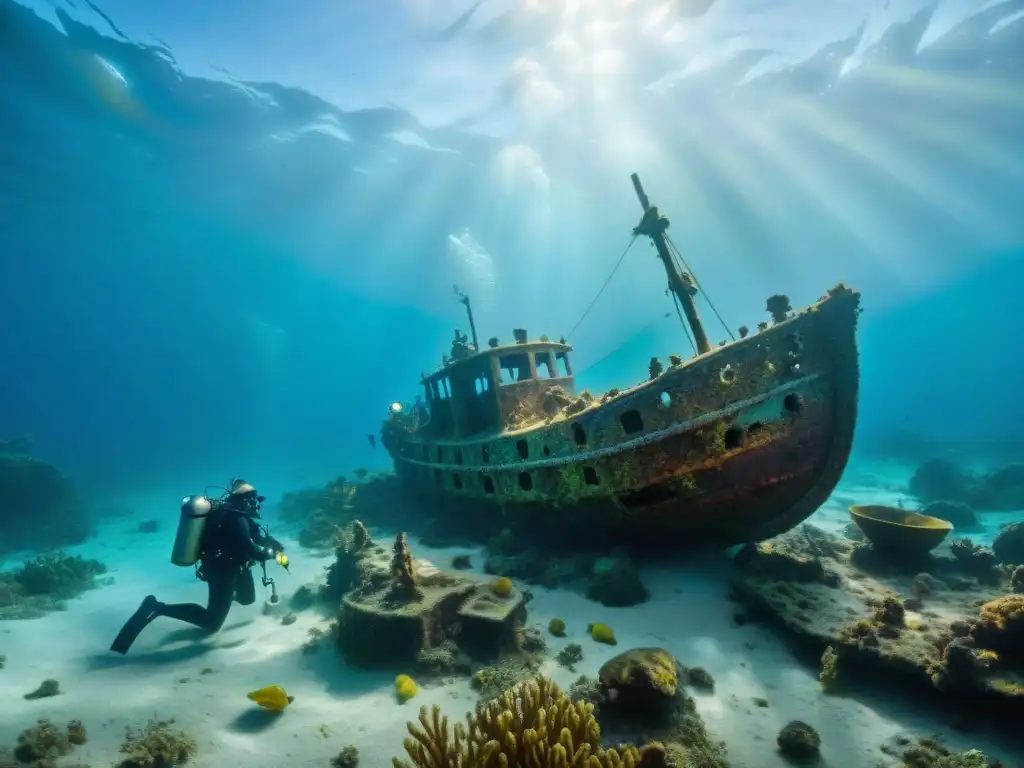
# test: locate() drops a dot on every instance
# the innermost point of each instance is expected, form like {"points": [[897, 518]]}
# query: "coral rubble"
{"points": [[158, 745], [945, 620]]}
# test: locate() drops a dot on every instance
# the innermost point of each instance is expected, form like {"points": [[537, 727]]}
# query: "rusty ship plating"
{"points": [[739, 443]]}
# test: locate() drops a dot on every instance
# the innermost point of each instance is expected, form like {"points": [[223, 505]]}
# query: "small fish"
{"points": [[373, 441], [272, 697]]}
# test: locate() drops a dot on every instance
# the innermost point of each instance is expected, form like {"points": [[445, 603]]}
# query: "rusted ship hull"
{"points": [[737, 445]]}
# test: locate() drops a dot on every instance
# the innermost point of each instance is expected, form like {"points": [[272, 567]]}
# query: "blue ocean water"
{"points": [[229, 231]]}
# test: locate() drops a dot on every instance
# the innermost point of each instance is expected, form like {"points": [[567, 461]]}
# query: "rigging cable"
{"points": [[624, 344], [610, 276], [677, 255], [679, 314]]}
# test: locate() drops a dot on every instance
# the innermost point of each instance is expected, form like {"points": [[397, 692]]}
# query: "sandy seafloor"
{"points": [[201, 682]]}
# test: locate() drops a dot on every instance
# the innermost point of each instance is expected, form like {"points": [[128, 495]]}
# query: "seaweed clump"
{"points": [[930, 753], [491, 682], [44, 742], [798, 740], [43, 583], [348, 757], [532, 724], [158, 745]]}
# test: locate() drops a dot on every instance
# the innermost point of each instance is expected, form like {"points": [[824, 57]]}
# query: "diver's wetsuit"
{"points": [[231, 544]]}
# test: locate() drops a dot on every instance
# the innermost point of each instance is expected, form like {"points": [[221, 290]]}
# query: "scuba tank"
{"points": [[195, 511]]}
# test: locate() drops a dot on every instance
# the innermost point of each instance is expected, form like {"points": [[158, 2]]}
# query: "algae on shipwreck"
{"points": [[395, 609]]}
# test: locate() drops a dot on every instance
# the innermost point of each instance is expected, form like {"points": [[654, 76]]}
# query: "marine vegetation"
{"points": [[532, 724], [492, 681], [570, 656], [348, 757], [158, 745], [798, 740], [44, 583], [42, 744], [931, 753]]}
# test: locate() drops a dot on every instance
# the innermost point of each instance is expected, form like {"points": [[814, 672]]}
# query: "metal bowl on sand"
{"points": [[900, 530]]}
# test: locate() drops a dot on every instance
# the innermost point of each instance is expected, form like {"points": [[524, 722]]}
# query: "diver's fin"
{"points": [[148, 611]]}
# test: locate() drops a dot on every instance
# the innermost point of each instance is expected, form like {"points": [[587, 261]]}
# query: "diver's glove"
{"points": [[281, 559]]}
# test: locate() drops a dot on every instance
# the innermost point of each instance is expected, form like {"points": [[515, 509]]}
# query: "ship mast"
{"points": [[653, 224], [464, 299]]}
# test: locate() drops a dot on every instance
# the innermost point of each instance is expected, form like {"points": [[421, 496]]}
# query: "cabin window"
{"points": [[631, 421], [458, 455], [526, 481], [457, 481], [546, 451], [562, 363], [441, 389], [545, 367], [579, 435], [792, 403], [483, 384], [515, 367], [485, 454], [590, 476], [440, 454], [733, 438], [523, 449], [488, 484]]}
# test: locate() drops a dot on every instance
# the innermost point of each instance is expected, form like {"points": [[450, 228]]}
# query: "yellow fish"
{"points": [[272, 697]]}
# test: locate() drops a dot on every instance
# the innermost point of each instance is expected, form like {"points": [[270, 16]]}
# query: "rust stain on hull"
{"points": [[736, 445]]}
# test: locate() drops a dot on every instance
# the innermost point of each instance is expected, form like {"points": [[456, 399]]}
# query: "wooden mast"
{"points": [[653, 225], [464, 299]]}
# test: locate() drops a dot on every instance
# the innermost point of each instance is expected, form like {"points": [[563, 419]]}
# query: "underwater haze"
{"points": [[233, 239], [230, 230]]}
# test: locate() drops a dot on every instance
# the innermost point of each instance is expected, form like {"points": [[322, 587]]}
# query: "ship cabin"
{"points": [[475, 396]]}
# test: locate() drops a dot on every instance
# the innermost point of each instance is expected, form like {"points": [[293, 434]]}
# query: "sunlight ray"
{"points": [[727, 152], [954, 134], [964, 91], [878, 234], [912, 176]]}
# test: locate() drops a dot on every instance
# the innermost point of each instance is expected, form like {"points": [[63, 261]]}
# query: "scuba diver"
{"points": [[223, 540]]}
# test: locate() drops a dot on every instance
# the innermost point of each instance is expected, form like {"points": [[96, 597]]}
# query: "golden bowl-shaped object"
{"points": [[895, 529]]}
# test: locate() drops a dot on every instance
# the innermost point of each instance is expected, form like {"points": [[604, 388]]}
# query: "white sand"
{"points": [[161, 677]]}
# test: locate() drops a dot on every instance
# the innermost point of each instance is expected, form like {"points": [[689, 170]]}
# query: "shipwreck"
{"points": [[739, 443]]}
